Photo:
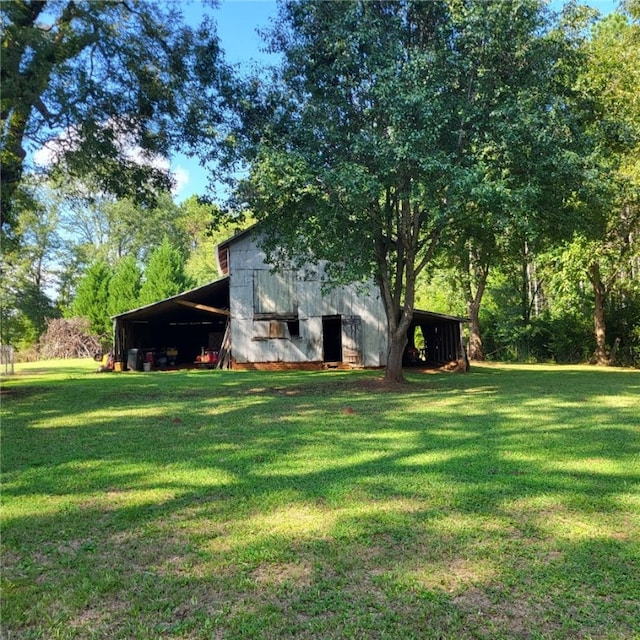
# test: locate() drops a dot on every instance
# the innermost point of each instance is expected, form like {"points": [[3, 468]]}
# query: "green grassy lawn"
{"points": [[504, 503]]}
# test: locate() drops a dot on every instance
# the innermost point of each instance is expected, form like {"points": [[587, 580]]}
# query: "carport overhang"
{"points": [[444, 338], [186, 322]]}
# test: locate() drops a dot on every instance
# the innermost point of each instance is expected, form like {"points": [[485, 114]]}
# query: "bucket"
{"points": [[146, 366], [117, 366]]}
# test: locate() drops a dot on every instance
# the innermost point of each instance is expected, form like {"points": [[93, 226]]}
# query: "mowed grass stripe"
{"points": [[203, 504]]}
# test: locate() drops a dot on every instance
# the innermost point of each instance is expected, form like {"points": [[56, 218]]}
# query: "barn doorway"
{"points": [[331, 338], [352, 340]]}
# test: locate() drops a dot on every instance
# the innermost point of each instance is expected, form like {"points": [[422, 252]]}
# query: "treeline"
{"points": [[92, 259], [543, 310], [478, 158], [489, 151]]}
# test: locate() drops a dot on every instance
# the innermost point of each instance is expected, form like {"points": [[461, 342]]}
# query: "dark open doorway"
{"points": [[332, 338]]}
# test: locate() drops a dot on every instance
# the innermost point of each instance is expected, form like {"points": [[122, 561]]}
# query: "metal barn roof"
{"points": [[209, 298]]}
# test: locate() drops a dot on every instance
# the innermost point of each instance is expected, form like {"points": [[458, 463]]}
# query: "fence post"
{"points": [[6, 359]]}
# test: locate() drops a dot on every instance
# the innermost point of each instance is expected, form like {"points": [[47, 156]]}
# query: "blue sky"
{"points": [[238, 24]]}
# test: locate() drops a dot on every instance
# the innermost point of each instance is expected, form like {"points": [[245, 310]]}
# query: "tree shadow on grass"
{"points": [[363, 567], [278, 515]]}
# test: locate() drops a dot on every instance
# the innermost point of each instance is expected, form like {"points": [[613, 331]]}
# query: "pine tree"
{"points": [[164, 275], [91, 300], [124, 286]]}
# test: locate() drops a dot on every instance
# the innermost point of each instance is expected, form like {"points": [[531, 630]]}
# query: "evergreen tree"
{"points": [[124, 286], [164, 275], [92, 298]]}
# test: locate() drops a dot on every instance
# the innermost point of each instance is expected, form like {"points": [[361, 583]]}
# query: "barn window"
{"points": [[294, 328], [223, 260], [276, 329], [274, 295]]}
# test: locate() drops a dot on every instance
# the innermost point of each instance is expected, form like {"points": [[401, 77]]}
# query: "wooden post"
{"points": [[7, 358]]}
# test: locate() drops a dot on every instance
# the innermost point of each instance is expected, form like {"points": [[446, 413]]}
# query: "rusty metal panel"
{"points": [[352, 340]]}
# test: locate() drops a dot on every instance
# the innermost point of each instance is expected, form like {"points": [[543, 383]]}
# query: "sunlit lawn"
{"points": [[504, 503]]}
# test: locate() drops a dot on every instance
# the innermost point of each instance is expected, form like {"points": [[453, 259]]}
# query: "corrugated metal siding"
{"points": [[255, 290], [274, 293]]}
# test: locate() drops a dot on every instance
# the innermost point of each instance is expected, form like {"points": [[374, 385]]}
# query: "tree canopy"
{"points": [[164, 275], [124, 286], [92, 298], [395, 126], [27, 270], [106, 88], [452, 151], [604, 246]]}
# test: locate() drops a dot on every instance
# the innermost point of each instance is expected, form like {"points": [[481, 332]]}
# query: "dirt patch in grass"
{"points": [[102, 617], [516, 618], [274, 574]]}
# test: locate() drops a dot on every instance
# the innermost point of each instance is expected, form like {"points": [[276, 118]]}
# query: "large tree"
{"points": [[28, 270], [523, 142], [124, 286], [606, 247], [196, 219], [107, 87], [91, 298], [388, 128], [111, 228]]}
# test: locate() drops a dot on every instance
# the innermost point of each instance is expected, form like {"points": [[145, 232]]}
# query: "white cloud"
{"points": [[43, 157], [181, 178], [46, 155]]}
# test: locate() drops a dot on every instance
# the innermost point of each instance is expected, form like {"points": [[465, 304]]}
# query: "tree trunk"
{"points": [[397, 339], [524, 293], [27, 71], [12, 166], [476, 275], [393, 371], [475, 340], [601, 355]]}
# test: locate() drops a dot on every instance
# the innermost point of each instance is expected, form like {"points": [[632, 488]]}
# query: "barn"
{"points": [[256, 318]]}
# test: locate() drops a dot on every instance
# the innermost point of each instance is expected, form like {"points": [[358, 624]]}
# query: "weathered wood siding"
{"points": [[278, 317]]}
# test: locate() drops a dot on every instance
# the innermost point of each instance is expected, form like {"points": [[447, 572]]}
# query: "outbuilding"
{"points": [[255, 317]]}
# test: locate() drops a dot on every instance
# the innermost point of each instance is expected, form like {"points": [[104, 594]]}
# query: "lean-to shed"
{"points": [[255, 317], [177, 328]]}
